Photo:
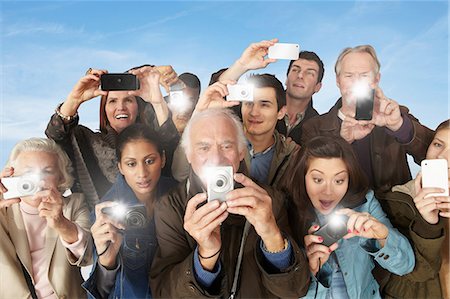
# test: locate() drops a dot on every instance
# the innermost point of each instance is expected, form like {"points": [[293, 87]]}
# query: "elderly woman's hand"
{"points": [[51, 208]]}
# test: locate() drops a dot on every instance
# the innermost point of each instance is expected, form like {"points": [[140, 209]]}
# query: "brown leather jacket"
{"points": [[426, 240], [172, 274], [388, 156]]}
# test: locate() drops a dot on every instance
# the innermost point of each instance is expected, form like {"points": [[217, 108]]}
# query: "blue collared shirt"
{"points": [[260, 163]]}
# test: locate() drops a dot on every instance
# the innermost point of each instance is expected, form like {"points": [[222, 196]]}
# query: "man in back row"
{"points": [[304, 79], [380, 144]]}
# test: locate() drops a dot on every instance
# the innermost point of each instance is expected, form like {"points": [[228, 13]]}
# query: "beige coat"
{"points": [[62, 267]]}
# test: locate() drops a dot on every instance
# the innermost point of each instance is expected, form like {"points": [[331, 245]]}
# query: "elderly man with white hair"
{"points": [[237, 247]]}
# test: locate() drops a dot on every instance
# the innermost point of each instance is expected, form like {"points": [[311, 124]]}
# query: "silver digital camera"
{"points": [[220, 182], [240, 92], [20, 186], [134, 216]]}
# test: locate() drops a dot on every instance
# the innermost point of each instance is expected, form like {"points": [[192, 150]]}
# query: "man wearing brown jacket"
{"points": [[381, 143], [238, 248]]}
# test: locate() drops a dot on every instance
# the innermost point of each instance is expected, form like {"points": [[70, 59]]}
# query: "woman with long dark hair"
{"points": [[325, 182]]}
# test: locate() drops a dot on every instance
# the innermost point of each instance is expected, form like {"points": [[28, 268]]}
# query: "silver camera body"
{"points": [[240, 92], [220, 182], [20, 186]]}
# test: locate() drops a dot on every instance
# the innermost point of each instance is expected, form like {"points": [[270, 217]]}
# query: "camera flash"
{"points": [[336, 220], [119, 211], [361, 89]]}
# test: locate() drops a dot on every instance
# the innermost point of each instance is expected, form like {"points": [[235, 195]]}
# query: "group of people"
{"points": [[134, 200]]}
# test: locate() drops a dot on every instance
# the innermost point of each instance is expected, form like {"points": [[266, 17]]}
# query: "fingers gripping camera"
{"points": [[220, 182], [334, 230], [134, 216], [20, 186]]}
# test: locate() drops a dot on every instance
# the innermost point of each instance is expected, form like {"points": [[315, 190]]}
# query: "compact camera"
{"points": [[119, 81], [240, 92], [134, 216], [220, 182], [20, 186], [334, 230]]}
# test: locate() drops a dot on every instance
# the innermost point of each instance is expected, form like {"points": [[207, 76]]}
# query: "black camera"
{"points": [[134, 216], [119, 81], [334, 230], [364, 106]]}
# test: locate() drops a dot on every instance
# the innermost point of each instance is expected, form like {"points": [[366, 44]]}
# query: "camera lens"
{"points": [[244, 93], [27, 187], [135, 219], [220, 183]]}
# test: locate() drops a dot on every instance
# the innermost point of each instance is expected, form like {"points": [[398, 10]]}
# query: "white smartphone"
{"points": [[435, 175], [284, 51]]}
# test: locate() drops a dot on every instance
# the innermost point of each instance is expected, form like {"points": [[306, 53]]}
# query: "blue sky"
{"points": [[46, 47]]}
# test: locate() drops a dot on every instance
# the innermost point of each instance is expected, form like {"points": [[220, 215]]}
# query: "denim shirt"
{"points": [[356, 258], [137, 250]]}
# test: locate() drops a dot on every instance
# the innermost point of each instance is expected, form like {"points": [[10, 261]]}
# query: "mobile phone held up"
{"points": [[119, 81], [284, 51], [364, 106], [435, 175]]}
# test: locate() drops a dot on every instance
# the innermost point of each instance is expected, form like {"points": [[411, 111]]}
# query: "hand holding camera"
{"points": [[254, 57], [254, 203], [386, 112], [84, 90], [107, 235], [317, 252], [168, 76], [213, 97], [364, 225], [51, 207], [432, 190], [203, 224], [148, 90], [352, 129]]}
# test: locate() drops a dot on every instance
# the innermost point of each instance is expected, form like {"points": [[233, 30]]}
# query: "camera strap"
{"points": [[28, 280], [239, 260]]}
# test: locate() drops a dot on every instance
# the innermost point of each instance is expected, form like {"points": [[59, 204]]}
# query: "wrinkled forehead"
{"points": [[213, 130], [358, 62], [35, 160]]}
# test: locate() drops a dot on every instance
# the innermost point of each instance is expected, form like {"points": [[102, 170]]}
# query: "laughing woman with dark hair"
{"points": [[93, 153], [325, 180]]}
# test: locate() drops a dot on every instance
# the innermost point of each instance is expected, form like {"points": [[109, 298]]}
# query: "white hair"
{"points": [[213, 114], [48, 146], [358, 49]]}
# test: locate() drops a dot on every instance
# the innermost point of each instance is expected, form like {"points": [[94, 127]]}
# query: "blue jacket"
{"points": [[356, 258], [136, 253]]}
